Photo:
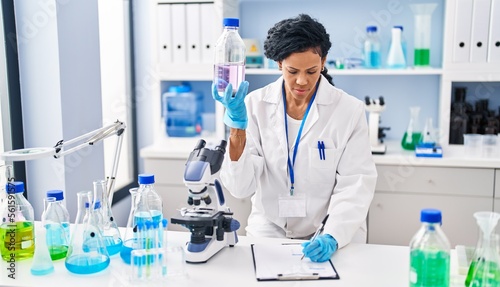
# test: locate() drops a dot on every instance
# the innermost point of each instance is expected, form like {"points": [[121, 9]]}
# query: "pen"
{"points": [[323, 149], [319, 231], [319, 149]]}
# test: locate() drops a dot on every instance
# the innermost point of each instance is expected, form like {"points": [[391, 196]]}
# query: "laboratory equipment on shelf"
{"points": [[42, 261], [422, 30], [147, 206], [109, 228], [208, 218], [371, 48], [375, 131], [430, 252], [55, 220], [484, 269], [396, 56], [229, 62], [182, 110], [17, 224], [87, 253], [413, 134], [429, 145]]}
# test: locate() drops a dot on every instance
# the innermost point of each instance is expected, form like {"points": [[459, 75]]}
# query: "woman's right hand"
{"points": [[236, 112]]}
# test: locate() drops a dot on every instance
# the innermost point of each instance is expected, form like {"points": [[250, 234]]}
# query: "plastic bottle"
{"points": [[396, 56], [229, 64], [430, 253], [371, 49], [55, 218], [16, 229], [147, 206]]}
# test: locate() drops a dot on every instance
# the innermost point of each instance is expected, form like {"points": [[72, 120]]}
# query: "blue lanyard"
{"points": [[297, 139]]}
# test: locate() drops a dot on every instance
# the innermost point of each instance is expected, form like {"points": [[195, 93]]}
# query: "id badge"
{"points": [[292, 206]]}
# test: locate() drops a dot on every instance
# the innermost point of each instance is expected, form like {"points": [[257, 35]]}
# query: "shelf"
{"points": [[359, 72]]}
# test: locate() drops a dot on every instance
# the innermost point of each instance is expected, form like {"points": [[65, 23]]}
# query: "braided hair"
{"points": [[296, 35]]}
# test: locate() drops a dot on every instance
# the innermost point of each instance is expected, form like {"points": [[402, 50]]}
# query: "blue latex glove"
{"points": [[321, 249], [236, 111]]}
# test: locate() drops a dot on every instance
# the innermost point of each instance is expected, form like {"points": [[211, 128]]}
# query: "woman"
{"points": [[300, 147]]}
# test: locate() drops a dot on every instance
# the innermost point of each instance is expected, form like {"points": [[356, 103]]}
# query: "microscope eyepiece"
{"points": [[201, 144], [222, 146]]}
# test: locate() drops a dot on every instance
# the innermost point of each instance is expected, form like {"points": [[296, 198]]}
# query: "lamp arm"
{"points": [[114, 170]]}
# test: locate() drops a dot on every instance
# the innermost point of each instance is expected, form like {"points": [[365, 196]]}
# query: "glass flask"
{"points": [[413, 134], [146, 207], [396, 56], [108, 226], [484, 268], [430, 253], [42, 261], [56, 223], [87, 252], [17, 224]]}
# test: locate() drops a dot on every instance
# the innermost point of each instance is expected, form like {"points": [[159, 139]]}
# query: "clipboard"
{"points": [[282, 262]]}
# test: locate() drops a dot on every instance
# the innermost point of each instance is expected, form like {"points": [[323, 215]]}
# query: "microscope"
{"points": [[376, 133], [208, 218]]}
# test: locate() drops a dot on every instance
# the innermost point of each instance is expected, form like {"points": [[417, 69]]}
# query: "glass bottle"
{"points": [[108, 226], [371, 48], [229, 62], [56, 223], [484, 269], [17, 223], [430, 253], [87, 252], [413, 134], [147, 207], [396, 57]]}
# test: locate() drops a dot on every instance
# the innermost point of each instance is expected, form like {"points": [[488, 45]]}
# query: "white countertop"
{"points": [[356, 264], [453, 156]]}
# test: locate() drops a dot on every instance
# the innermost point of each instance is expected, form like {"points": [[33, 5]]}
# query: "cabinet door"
{"points": [[394, 218]]}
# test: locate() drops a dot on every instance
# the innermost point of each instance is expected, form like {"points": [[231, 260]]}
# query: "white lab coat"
{"points": [[342, 185]]}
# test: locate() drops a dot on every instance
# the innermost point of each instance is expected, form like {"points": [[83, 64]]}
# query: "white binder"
{"points": [[480, 28], [462, 32], [179, 41], [193, 33], [165, 33], [494, 38], [209, 32]]}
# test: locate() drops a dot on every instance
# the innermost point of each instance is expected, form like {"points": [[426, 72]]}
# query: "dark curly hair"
{"points": [[296, 35]]}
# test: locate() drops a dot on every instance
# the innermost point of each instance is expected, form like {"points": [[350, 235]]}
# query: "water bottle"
{"points": [[229, 64], [396, 56], [430, 253], [55, 219], [371, 48], [16, 227]]}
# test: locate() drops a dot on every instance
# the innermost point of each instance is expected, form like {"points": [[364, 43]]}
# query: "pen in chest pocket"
{"points": [[321, 150]]}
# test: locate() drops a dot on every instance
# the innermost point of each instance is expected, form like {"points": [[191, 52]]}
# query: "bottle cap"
{"points": [[371, 29], [399, 27], [58, 194], [233, 22], [146, 179], [180, 89], [430, 215], [14, 187]]}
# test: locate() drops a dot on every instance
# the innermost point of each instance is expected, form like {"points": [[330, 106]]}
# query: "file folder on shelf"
{"points": [[179, 54], [209, 32], [462, 32], [494, 37], [165, 33], [480, 28], [193, 33]]}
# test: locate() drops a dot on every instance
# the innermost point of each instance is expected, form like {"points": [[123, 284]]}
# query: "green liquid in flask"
{"points": [[17, 241], [58, 252], [492, 278], [429, 268], [411, 144], [422, 57]]}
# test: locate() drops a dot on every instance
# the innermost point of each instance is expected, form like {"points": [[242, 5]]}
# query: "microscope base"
{"points": [[380, 149], [208, 250]]}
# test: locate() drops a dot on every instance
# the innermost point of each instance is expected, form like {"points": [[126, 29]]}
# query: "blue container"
{"points": [[182, 111]]}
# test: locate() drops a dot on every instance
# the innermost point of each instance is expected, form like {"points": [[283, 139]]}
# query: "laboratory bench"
{"points": [[357, 265]]}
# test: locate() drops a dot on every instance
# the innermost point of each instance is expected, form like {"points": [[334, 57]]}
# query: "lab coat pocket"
{"points": [[322, 164]]}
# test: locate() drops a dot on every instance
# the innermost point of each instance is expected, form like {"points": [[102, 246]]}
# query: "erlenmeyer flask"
{"points": [[484, 269], [42, 263], [108, 226], [413, 133], [53, 218], [87, 253]]}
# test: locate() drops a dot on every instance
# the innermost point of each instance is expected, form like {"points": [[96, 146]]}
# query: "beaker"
{"points": [[87, 253], [484, 268], [109, 228], [413, 134], [422, 29]]}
